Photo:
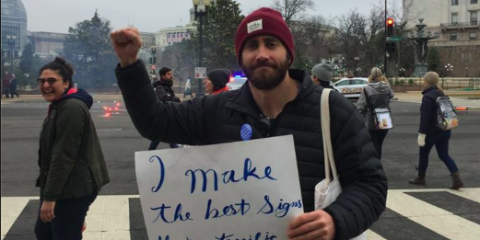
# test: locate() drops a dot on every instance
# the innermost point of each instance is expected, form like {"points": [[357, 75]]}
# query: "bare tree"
{"points": [[312, 39], [291, 8]]}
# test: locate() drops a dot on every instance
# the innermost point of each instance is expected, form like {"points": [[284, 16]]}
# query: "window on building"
{"points": [[473, 1], [454, 2], [473, 36], [454, 18], [453, 36], [474, 18]]}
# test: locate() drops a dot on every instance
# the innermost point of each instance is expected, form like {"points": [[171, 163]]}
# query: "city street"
{"points": [[431, 212]]}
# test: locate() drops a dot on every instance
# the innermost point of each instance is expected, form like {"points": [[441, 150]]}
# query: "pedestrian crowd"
{"points": [[9, 85]]}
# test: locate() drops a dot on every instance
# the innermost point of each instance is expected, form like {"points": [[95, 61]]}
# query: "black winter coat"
{"points": [[164, 91], [428, 113], [218, 119]]}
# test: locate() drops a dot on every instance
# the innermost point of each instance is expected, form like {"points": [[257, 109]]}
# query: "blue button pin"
{"points": [[246, 132]]}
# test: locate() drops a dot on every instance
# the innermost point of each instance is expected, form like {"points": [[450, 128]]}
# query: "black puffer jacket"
{"points": [[428, 113], [164, 91], [218, 119]]}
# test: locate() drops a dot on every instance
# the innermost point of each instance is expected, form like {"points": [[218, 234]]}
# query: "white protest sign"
{"points": [[244, 190]]}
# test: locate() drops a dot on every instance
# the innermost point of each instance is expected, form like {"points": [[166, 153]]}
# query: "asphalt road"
{"points": [[21, 127]]}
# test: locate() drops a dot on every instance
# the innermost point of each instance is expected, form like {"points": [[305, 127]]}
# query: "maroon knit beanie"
{"points": [[264, 21]]}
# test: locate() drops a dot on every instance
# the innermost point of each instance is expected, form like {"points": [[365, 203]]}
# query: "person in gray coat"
{"points": [[376, 94]]}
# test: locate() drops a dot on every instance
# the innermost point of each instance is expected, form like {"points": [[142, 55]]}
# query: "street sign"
{"points": [[200, 72], [394, 39]]}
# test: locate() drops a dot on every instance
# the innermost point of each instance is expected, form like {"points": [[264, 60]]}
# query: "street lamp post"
{"points": [[11, 43], [337, 70], [201, 11], [356, 65], [153, 49], [448, 68], [358, 70], [402, 72]]}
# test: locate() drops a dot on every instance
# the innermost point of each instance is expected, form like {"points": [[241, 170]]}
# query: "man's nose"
{"points": [[263, 54]]}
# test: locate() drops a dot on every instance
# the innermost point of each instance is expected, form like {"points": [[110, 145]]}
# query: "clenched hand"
{"points": [[126, 43]]}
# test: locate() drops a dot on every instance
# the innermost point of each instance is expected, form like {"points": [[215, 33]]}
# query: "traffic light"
{"points": [[390, 23], [391, 47]]}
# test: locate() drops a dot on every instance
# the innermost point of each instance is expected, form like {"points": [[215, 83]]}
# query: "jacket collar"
{"points": [[431, 88], [225, 89], [73, 93], [243, 100]]}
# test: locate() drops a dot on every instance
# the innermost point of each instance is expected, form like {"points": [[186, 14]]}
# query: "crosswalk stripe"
{"points": [[468, 193], [111, 217], [371, 235], [436, 219], [11, 209]]}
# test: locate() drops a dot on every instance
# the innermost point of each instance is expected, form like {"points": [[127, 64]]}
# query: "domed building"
{"points": [[14, 26]]}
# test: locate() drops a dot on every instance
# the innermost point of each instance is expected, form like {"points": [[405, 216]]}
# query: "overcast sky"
{"points": [[151, 15]]}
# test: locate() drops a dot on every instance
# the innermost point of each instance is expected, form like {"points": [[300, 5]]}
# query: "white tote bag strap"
{"points": [[326, 135]]}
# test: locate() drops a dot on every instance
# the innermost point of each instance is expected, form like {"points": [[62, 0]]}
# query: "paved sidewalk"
{"points": [[458, 99]]}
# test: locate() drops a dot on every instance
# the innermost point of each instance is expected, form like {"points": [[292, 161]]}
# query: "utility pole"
{"points": [[385, 42]]}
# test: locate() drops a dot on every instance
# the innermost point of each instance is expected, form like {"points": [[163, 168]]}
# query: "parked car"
{"points": [[351, 88], [236, 83]]}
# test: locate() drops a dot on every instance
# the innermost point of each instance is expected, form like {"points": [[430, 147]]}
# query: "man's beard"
{"points": [[265, 75]]}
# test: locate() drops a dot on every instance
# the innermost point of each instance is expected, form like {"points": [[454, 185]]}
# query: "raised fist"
{"points": [[127, 43]]}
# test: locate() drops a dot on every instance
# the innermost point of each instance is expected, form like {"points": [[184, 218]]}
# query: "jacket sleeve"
{"points": [[362, 101], [182, 123], [363, 181], [391, 94], [426, 114], [69, 124]]}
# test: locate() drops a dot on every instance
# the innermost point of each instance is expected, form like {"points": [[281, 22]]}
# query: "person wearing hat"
{"points": [[429, 135], [322, 74], [216, 81], [275, 101]]}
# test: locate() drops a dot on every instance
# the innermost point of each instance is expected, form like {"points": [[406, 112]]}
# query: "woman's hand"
{"points": [[421, 139]]}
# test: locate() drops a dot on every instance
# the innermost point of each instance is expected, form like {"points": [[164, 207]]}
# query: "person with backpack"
{"points": [[374, 101], [430, 134]]}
